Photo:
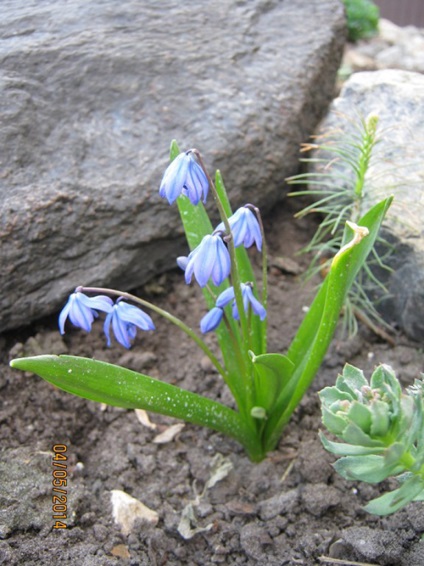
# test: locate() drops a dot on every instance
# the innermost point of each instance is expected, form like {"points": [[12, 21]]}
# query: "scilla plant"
{"points": [[267, 387], [381, 428]]}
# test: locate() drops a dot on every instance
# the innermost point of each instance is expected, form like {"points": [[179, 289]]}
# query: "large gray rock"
{"points": [[396, 168], [91, 95]]}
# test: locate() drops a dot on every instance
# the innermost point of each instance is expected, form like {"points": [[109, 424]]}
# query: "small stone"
{"points": [[121, 551], [127, 510], [137, 361], [206, 365], [286, 265], [278, 505], [318, 498]]}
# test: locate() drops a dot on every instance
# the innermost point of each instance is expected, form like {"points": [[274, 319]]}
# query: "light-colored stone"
{"points": [[396, 168], [127, 510], [92, 94]]}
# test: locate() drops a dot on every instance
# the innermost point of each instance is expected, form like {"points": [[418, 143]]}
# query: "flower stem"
{"points": [[235, 277], [171, 318]]}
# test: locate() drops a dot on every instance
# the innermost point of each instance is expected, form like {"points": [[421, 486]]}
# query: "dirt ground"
{"points": [[290, 509]]}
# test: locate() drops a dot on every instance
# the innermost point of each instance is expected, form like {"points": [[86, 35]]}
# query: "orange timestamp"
{"points": [[60, 483]]}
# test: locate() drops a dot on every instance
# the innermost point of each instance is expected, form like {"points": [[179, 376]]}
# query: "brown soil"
{"points": [[290, 509]]}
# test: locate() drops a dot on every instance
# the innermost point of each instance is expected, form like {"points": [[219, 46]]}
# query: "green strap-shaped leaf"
{"points": [[113, 385], [272, 372], [313, 338]]}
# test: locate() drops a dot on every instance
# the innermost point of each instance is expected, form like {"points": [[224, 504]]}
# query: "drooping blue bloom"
{"points": [[228, 296], [184, 176], [211, 320], [210, 259], [245, 228], [125, 319], [82, 310]]}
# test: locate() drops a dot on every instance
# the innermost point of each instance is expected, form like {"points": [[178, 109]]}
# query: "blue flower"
{"points": [[210, 259], [125, 319], [228, 296], [82, 310], [211, 320], [245, 228], [184, 176]]}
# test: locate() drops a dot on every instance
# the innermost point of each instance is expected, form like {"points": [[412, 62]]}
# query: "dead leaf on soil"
{"points": [[126, 510], [143, 418], [168, 434], [187, 526]]}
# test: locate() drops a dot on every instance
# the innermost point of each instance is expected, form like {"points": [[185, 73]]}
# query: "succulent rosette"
{"points": [[382, 432]]}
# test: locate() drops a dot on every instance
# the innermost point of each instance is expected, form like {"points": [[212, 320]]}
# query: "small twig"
{"points": [[287, 471], [343, 562], [360, 315]]}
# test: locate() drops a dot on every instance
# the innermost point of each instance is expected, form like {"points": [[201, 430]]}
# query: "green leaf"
{"points": [[313, 338], [351, 380], [388, 503], [380, 415], [360, 415], [355, 435], [394, 453], [333, 422], [330, 395], [369, 468], [113, 385], [174, 150], [272, 372], [385, 380], [343, 449]]}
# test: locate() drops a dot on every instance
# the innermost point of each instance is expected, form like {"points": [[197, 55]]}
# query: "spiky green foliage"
{"points": [[338, 184]]}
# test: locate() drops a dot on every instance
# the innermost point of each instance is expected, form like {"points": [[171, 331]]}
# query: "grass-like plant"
{"points": [[339, 183], [267, 387]]}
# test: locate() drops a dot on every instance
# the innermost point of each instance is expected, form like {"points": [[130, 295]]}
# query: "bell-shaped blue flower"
{"points": [[245, 228], [82, 310], [184, 176], [210, 260], [125, 320], [211, 320], [249, 299]]}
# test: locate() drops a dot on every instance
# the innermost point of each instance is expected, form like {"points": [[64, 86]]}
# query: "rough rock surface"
{"points": [[93, 92], [396, 168], [394, 47]]}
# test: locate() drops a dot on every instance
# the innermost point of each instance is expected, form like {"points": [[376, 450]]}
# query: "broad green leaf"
{"points": [[330, 395], [272, 372], [113, 385], [313, 338], [394, 453], [369, 468], [380, 412], [334, 423], [360, 415], [395, 500], [355, 435]]}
